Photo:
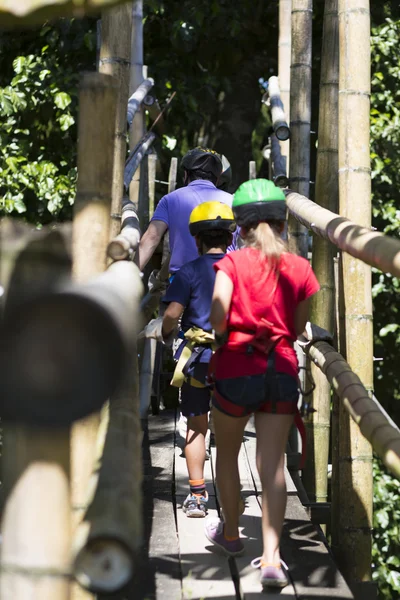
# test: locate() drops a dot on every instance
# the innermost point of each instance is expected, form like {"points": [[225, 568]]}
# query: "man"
{"points": [[202, 169]]}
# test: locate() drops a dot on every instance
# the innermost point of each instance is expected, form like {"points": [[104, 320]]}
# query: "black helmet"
{"points": [[202, 159], [226, 175]]}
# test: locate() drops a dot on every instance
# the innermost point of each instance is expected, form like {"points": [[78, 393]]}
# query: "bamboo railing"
{"points": [[110, 534], [137, 98], [366, 412], [372, 247], [278, 117], [124, 245]]}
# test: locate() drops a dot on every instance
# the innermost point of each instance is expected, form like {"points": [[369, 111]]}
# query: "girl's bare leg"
{"points": [[228, 437], [272, 434]]}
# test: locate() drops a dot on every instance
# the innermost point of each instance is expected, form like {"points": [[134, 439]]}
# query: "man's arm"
{"points": [[149, 242]]}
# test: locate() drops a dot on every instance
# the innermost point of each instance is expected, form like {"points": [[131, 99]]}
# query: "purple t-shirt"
{"points": [[174, 209]]}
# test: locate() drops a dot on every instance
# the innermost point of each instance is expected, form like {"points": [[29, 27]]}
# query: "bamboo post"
{"points": [[300, 115], [352, 543], [152, 162], [36, 524], [315, 475], [115, 55], [278, 116], [146, 375], [137, 129], [284, 53], [91, 229], [172, 174], [252, 169]]}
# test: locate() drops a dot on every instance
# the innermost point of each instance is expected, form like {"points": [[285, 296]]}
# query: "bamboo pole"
{"points": [[36, 531], [136, 99], [371, 247], [278, 163], [354, 529], [124, 245], [152, 163], [284, 53], [133, 164], [300, 114], [315, 475], [146, 375], [35, 552], [278, 116], [115, 54], [110, 536], [252, 169], [91, 227], [137, 129]]}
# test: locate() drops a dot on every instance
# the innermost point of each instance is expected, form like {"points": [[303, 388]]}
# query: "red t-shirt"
{"points": [[260, 292]]}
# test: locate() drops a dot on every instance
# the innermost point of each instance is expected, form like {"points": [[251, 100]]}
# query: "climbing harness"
{"points": [[198, 340]]}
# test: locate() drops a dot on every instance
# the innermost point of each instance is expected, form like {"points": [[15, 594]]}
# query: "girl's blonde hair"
{"points": [[266, 237]]}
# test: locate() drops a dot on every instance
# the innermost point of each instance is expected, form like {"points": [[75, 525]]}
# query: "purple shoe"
{"points": [[272, 575], [214, 531]]}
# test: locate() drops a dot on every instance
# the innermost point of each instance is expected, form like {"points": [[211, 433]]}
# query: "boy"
{"points": [[189, 295]]}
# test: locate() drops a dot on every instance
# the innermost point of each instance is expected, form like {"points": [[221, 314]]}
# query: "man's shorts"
{"points": [[270, 392], [196, 401]]}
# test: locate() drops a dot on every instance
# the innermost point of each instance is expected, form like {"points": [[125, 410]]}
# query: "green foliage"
{"points": [[385, 163], [386, 539], [38, 106]]}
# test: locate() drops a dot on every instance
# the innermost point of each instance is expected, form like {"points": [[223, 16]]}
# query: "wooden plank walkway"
{"points": [[178, 563]]}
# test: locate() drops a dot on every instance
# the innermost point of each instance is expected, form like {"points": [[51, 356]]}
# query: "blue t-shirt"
{"points": [[174, 209], [193, 287]]}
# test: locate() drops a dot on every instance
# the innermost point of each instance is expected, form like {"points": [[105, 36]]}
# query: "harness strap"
{"points": [[195, 336]]}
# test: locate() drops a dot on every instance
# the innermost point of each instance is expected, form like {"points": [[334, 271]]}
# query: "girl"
{"points": [[260, 305]]}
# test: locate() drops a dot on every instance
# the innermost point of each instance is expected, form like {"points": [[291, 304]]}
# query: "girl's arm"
{"points": [[301, 315], [171, 318], [221, 301]]}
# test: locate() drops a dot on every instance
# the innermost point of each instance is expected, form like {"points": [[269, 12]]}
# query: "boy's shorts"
{"points": [[196, 401], [271, 392]]}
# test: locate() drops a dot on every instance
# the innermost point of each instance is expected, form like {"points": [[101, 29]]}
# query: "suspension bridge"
{"points": [[85, 428]]}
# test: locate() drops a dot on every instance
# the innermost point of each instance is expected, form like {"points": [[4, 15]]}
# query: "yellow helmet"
{"points": [[211, 216]]}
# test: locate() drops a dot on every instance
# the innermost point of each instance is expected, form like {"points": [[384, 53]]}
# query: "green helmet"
{"points": [[258, 200]]}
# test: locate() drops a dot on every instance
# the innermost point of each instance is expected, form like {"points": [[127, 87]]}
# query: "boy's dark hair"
{"points": [[199, 174], [215, 238]]}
